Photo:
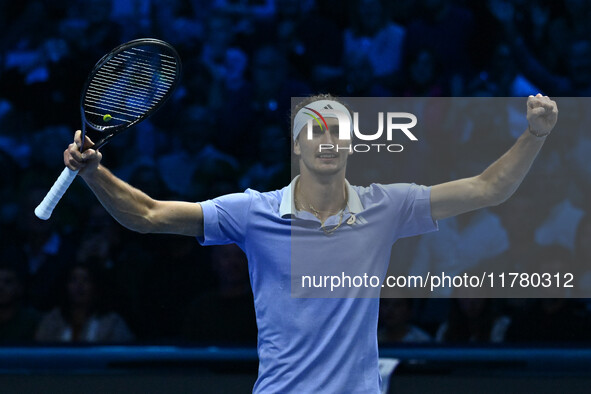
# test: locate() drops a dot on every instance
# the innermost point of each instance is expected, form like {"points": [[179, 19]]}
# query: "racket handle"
{"points": [[54, 195]]}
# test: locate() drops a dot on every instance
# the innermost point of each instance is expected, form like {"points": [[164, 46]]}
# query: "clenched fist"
{"points": [[542, 114]]}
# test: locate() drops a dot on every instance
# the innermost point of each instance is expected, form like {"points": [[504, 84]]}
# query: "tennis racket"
{"points": [[125, 87]]}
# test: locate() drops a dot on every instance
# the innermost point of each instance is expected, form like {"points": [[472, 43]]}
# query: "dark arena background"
{"points": [[180, 317]]}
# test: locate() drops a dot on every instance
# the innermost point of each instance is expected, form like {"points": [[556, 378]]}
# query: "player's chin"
{"points": [[330, 168]]}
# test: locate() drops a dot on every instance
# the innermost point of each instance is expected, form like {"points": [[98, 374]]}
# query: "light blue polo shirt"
{"points": [[315, 345]]}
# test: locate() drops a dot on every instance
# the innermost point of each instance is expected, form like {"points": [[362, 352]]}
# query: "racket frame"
{"points": [[46, 207], [112, 131]]}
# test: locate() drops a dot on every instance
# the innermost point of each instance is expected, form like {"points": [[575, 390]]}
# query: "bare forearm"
{"points": [[496, 184], [129, 206], [504, 176]]}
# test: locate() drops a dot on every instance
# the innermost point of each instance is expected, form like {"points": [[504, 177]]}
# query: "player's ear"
{"points": [[296, 147]]}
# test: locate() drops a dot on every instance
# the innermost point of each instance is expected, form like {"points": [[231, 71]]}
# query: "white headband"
{"points": [[317, 111]]}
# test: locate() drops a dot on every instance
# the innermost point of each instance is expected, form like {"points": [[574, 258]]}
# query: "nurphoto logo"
{"points": [[346, 130]]}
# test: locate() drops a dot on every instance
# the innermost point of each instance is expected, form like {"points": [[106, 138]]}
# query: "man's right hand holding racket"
{"points": [[130, 206], [86, 160], [125, 87]]}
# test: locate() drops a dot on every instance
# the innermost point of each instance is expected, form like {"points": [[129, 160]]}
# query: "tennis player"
{"points": [[317, 345]]}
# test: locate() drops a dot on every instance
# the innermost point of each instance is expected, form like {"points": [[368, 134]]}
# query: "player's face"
{"points": [[324, 153]]}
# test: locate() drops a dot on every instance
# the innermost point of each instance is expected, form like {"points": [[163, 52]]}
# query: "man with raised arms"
{"points": [[317, 345]]}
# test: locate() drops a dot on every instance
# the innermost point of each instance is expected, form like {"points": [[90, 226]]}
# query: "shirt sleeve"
{"points": [[225, 219], [412, 208]]}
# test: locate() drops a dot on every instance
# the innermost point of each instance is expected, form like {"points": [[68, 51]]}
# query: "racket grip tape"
{"points": [[44, 210]]}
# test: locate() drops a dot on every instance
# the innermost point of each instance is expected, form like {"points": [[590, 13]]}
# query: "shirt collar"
{"points": [[287, 207]]}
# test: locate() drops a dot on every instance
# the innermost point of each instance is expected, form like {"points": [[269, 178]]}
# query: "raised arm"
{"points": [[500, 180], [129, 206]]}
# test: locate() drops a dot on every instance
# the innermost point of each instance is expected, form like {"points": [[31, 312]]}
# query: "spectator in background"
{"points": [[360, 80], [272, 169], [175, 21], [17, 321], [555, 318], [101, 238], [134, 17], [462, 244], [264, 100], [396, 322], [225, 62], [91, 28], [577, 17], [147, 177], [402, 11], [45, 251], [464, 241], [82, 316], [473, 320], [227, 313], [374, 36], [583, 257], [262, 9], [518, 218], [576, 153], [8, 193], [499, 78], [551, 320], [206, 93], [560, 210], [445, 29], [574, 80], [309, 39], [371, 44], [421, 75], [208, 162], [273, 84]]}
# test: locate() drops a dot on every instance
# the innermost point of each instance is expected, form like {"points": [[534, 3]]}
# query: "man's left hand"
{"points": [[542, 114]]}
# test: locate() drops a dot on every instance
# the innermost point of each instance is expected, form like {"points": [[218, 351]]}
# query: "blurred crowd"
{"points": [[82, 277]]}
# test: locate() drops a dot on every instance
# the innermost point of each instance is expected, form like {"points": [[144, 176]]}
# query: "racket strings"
{"points": [[106, 74], [165, 73], [123, 97], [130, 85], [166, 65], [119, 101], [128, 88]]}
